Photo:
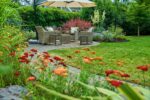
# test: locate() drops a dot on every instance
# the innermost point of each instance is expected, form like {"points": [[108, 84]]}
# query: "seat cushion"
{"points": [[50, 29]]}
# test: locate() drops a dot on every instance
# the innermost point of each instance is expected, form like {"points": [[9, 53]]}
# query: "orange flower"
{"points": [[93, 52], [12, 53], [86, 49], [98, 58], [102, 63], [31, 78], [45, 62], [1, 60], [77, 51], [120, 64], [87, 60], [60, 71]]}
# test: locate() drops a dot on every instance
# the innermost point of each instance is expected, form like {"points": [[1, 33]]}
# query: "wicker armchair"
{"points": [[43, 35], [86, 37]]}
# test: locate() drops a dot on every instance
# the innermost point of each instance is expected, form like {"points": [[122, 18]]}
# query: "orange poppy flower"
{"points": [[45, 62], [60, 71], [86, 49], [102, 63], [98, 58], [119, 63], [93, 52], [1, 60], [12, 53], [31, 78], [77, 51], [87, 60]]}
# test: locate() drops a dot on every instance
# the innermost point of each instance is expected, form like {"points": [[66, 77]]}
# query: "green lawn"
{"points": [[131, 54]]}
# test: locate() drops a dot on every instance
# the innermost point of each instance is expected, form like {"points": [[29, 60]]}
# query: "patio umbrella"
{"points": [[81, 4], [55, 3], [69, 3]]}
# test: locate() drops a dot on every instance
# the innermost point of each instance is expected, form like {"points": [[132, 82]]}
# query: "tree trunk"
{"points": [[138, 31], [35, 15]]}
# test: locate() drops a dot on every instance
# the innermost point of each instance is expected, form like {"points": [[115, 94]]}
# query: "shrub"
{"points": [[30, 35], [82, 24], [111, 35], [8, 14], [45, 16], [12, 42]]}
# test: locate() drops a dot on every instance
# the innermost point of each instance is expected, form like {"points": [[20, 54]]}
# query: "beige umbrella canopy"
{"points": [[54, 3], [69, 3]]}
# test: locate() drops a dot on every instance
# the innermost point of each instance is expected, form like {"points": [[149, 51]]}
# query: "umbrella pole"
{"points": [[69, 9]]}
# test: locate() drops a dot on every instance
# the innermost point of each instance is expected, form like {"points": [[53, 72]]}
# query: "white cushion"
{"points": [[90, 29], [50, 29], [74, 29]]}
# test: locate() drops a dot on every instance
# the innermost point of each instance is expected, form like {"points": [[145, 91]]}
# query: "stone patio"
{"points": [[41, 47]]}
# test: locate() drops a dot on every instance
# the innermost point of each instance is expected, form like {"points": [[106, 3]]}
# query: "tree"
{"points": [[139, 16]]}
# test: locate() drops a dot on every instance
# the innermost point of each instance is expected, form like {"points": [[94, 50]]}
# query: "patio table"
{"points": [[56, 39]]}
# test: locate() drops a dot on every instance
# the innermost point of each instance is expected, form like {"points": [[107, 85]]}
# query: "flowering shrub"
{"points": [[12, 42], [82, 24]]}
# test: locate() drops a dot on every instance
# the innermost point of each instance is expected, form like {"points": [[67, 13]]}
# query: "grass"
{"points": [[124, 56]]}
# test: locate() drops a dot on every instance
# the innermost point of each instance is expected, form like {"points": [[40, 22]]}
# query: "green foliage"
{"points": [[45, 16], [139, 16], [111, 35], [8, 14], [30, 35], [124, 14], [11, 43]]}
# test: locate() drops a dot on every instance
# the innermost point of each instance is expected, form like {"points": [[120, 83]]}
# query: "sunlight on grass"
{"points": [[124, 56]]}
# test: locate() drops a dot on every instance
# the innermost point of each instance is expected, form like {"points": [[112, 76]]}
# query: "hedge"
{"points": [[45, 16]]}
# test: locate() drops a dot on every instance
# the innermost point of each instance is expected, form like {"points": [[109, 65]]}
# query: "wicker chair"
{"points": [[86, 37], [43, 35]]}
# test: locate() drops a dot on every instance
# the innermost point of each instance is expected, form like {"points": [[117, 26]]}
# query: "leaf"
{"points": [[55, 93], [112, 95], [145, 92], [130, 92], [5, 69]]}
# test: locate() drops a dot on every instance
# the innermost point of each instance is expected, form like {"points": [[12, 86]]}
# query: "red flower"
{"points": [[143, 68], [51, 60], [34, 50], [108, 72], [17, 73], [45, 53], [31, 55], [12, 53], [125, 75], [31, 78], [26, 54], [23, 57], [115, 83], [57, 58], [63, 64]]}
